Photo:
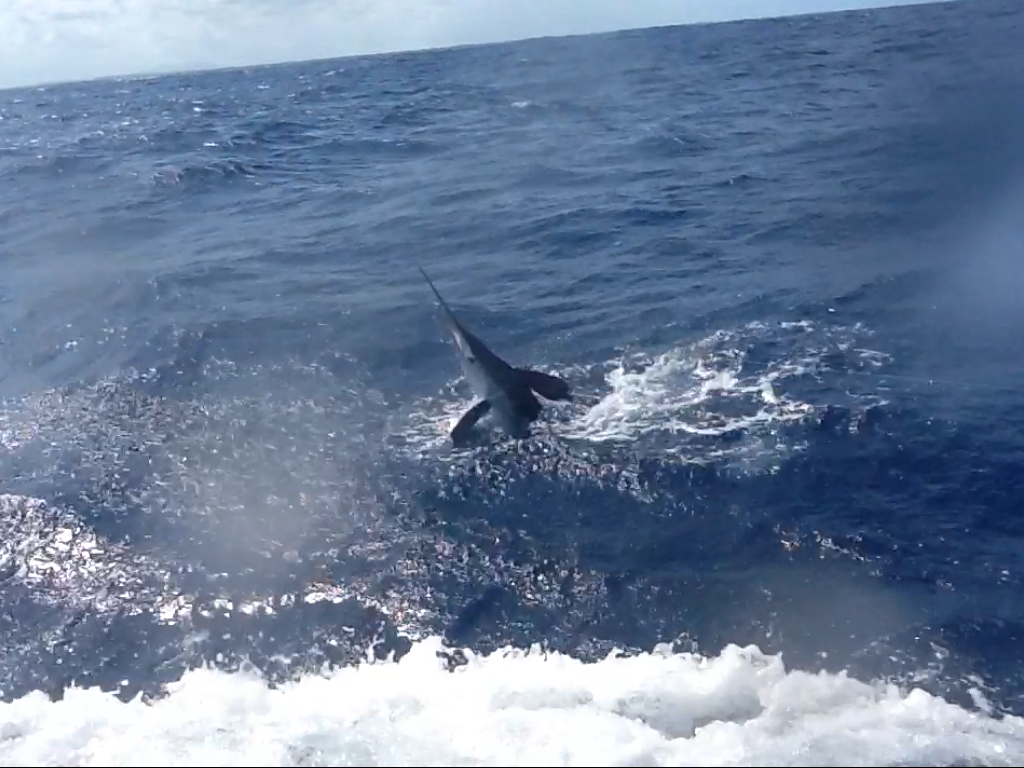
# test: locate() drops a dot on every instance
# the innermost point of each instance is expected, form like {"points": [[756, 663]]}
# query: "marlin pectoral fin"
{"points": [[469, 419], [547, 386]]}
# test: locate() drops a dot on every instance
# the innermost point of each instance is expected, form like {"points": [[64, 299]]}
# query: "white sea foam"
{"points": [[514, 708]]}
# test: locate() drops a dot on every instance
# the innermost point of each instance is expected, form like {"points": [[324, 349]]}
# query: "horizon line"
{"points": [[201, 69]]}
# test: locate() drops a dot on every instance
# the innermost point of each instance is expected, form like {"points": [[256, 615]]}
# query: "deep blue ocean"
{"points": [[781, 264]]}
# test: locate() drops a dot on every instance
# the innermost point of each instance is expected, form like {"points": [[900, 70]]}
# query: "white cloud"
{"points": [[54, 40]]}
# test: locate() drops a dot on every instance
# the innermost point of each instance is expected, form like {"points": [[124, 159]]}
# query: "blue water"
{"points": [[779, 261]]}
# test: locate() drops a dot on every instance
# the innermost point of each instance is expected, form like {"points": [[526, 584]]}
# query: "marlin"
{"points": [[498, 386]]}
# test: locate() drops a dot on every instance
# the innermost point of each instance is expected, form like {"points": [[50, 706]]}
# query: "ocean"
{"points": [[780, 523]]}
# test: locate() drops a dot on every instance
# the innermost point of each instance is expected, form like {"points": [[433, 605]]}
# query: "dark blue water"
{"points": [[779, 261]]}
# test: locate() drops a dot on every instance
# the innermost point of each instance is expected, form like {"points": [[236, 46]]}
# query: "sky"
{"points": [[45, 41]]}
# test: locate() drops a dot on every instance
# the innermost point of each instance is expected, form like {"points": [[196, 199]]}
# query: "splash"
{"points": [[726, 397]]}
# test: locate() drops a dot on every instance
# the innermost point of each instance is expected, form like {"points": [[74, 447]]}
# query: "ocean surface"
{"points": [[781, 265]]}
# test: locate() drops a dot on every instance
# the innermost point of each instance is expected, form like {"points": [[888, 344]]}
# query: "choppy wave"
{"points": [[232, 526]]}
